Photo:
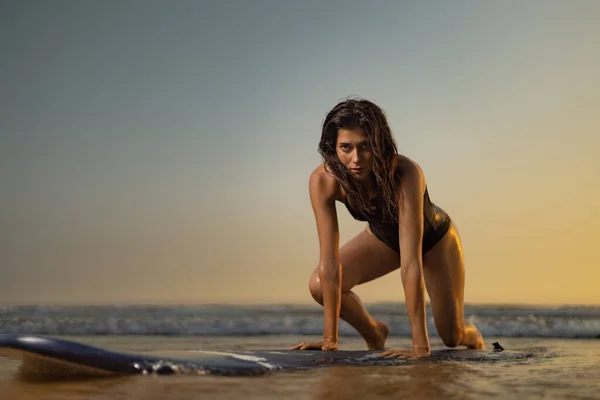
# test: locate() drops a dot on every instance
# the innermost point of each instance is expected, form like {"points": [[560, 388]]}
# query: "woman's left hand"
{"points": [[413, 354]]}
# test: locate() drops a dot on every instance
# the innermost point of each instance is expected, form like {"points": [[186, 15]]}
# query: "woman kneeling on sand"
{"points": [[363, 170]]}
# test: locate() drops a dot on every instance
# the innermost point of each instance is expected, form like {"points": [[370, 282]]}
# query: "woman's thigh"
{"points": [[444, 272], [364, 258]]}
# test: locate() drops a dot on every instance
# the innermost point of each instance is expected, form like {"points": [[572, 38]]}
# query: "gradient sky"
{"points": [[159, 152]]}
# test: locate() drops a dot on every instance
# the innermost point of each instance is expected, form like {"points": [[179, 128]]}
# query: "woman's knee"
{"points": [[314, 286]]}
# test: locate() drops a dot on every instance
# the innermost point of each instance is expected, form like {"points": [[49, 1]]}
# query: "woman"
{"points": [[363, 170]]}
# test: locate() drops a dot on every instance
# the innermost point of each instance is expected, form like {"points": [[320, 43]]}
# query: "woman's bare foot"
{"points": [[477, 343], [382, 332]]}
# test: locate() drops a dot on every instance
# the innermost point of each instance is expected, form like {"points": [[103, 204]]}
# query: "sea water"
{"points": [[564, 339]]}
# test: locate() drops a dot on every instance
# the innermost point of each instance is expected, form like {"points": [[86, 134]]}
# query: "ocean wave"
{"points": [[219, 320]]}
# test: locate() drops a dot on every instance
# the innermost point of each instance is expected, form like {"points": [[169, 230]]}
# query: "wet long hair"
{"points": [[360, 113]]}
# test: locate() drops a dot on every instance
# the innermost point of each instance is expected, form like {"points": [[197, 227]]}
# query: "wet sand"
{"points": [[564, 369]]}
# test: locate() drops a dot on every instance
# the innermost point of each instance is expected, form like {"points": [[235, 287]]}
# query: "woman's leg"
{"points": [[444, 272], [363, 259]]}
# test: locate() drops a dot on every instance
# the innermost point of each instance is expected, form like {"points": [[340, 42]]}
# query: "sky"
{"points": [[159, 152]]}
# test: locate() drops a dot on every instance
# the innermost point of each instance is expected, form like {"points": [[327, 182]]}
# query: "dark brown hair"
{"points": [[361, 113]]}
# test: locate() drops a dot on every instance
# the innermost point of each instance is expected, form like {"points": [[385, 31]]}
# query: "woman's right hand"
{"points": [[324, 345]]}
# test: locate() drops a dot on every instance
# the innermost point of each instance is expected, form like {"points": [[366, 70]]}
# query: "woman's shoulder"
{"points": [[404, 162], [323, 184], [408, 168]]}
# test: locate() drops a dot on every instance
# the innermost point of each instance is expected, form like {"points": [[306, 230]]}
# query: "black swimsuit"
{"points": [[435, 224]]}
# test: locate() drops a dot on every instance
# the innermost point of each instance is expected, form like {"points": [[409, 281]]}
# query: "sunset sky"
{"points": [[159, 152]]}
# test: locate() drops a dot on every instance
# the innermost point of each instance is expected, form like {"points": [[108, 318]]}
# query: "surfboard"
{"points": [[40, 355]]}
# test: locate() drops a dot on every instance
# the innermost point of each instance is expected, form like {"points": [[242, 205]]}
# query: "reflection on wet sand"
{"points": [[27, 388], [419, 380]]}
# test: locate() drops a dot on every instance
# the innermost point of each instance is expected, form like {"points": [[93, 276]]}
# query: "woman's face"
{"points": [[353, 150]]}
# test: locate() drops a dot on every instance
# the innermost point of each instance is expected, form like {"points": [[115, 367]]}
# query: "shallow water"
{"points": [[563, 368]]}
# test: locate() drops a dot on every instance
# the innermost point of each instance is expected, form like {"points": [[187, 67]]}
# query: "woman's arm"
{"points": [[322, 196], [410, 213], [323, 193]]}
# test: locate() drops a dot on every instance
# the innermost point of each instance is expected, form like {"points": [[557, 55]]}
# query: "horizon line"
{"points": [[293, 304]]}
